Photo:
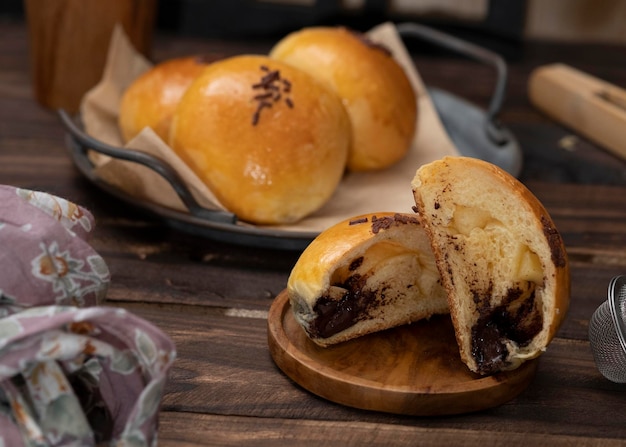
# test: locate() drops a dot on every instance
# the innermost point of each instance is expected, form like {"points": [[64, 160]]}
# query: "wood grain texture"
{"points": [[212, 298], [68, 34], [413, 369], [224, 368], [261, 432]]}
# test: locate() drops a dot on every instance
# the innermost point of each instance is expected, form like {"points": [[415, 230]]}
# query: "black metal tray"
{"points": [[475, 132]]}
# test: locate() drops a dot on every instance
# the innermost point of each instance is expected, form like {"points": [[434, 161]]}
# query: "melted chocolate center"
{"points": [[518, 319], [334, 316]]}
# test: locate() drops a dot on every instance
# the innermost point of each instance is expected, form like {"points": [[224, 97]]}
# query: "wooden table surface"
{"points": [[212, 298]]}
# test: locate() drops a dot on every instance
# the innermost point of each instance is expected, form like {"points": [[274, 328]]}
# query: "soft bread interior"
{"points": [[371, 273], [501, 260]]}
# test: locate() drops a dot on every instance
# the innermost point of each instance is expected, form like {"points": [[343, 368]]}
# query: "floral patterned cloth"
{"points": [[44, 256], [71, 372]]}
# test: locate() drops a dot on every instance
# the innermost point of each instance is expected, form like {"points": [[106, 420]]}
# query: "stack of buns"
{"points": [[500, 264], [272, 135]]}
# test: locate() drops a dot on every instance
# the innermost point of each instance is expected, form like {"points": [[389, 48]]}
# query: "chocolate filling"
{"points": [[356, 264], [517, 319], [559, 258], [334, 316]]}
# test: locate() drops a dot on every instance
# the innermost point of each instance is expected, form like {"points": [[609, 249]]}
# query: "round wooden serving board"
{"points": [[413, 369]]}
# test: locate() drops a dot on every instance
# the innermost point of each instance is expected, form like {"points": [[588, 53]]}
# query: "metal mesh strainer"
{"points": [[607, 332]]}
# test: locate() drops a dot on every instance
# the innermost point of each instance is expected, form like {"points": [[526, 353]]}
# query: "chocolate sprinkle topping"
{"points": [[384, 223], [358, 221], [273, 88]]}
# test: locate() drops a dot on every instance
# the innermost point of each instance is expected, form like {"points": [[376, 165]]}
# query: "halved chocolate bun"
{"points": [[501, 260], [364, 275]]}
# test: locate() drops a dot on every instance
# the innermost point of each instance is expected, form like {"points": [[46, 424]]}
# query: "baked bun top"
{"points": [[365, 274], [269, 140], [374, 88], [151, 99], [501, 260]]}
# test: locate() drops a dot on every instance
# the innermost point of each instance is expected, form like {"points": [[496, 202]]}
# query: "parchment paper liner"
{"points": [[358, 193]]}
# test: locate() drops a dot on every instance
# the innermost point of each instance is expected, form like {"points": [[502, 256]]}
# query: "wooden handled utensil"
{"points": [[590, 106]]}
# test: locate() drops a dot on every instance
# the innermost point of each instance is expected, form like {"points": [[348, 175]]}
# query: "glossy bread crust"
{"points": [[269, 140], [152, 98], [373, 87]]}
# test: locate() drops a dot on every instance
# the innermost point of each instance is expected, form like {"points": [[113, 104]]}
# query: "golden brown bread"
{"points": [[269, 140], [479, 233], [363, 275], [151, 99], [375, 90], [501, 260]]}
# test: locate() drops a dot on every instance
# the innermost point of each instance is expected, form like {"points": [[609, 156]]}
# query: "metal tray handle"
{"points": [[84, 142]]}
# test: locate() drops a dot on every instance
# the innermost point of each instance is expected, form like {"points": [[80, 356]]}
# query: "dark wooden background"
{"points": [[212, 297]]}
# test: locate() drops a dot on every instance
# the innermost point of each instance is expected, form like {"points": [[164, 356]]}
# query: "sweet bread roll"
{"points": [[151, 99], [363, 275], [269, 140], [373, 86], [501, 260]]}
